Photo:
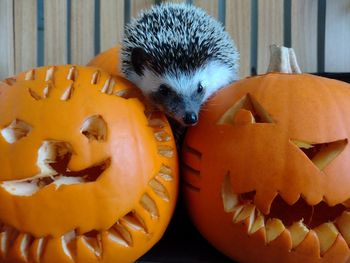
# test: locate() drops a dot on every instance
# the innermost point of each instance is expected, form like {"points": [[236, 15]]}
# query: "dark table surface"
{"points": [[182, 243]]}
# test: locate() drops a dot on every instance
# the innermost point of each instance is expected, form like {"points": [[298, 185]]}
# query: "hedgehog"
{"points": [[178, 56]]}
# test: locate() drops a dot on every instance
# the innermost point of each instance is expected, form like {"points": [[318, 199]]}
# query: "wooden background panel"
{"points": [[82, 31], [55, 34], [138, 5], [270, 30], [112, 23], [174, 1], [238, 24], [304, 33], [25, 15], [7, 63], [337, 50], [211, 6]]}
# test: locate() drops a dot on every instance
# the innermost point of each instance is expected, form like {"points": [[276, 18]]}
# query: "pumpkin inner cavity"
{"points": [[321, 154], [312, 216]]}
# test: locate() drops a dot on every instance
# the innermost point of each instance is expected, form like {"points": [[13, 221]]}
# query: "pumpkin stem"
{"points": [[283, 59]]}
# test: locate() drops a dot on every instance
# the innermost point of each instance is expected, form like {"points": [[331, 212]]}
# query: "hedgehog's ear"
{"points": [[139, 59]]}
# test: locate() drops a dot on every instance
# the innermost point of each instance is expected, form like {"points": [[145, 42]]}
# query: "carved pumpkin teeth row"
{"points": [[107, 88], [327, 233], [32, 249]]}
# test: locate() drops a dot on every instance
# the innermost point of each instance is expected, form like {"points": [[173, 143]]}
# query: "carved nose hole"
{"points": [[321, 154], [54, 156]]}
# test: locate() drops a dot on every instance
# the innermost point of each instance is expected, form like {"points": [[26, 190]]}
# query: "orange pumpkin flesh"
{"points": [[102, 181], [266, 169]]}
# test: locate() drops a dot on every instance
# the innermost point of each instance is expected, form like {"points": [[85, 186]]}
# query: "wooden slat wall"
{"points": [[82, 31], [19, 42], [238, 24], [7, 54], [55, 26], [25, 19], [270, 30], [138, 5], [211, 6], [304, 33], [337, 55], [112, 23]]}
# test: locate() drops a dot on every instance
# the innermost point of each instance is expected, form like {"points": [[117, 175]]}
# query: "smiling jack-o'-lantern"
{"points": [[267, 168], [87, 175]]}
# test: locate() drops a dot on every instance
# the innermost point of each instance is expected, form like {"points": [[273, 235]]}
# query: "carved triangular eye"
{"points": [[246, 111], [321, 154]]}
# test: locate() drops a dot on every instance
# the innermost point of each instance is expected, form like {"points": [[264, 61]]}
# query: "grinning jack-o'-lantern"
{"points": [[87, 175], [267, 168]]}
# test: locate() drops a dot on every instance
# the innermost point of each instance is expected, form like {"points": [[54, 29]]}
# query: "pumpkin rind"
{"points": [[91, 209], [262, 159]]}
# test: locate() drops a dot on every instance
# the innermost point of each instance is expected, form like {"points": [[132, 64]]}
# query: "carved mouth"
{"points": [[53, 159], [298, 219]]}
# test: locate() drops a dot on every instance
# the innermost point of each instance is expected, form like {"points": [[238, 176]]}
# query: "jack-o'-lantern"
{"points": [[87, 175], [267, 168]]}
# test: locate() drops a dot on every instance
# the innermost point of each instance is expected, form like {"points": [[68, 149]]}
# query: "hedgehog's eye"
{"points": [[164, 90], [200, 88]]}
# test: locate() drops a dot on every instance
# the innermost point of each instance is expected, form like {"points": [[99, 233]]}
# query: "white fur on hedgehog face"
{"points": [[212, 76]]}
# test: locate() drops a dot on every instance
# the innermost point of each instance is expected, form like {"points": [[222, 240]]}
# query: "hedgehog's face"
{"points": [[178, 93]]}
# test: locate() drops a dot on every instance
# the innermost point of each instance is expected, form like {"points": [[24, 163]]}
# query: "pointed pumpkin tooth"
{"points": [[156, 123], [34, 95], [67, 94], [95, 77], [229, 198], [21, 246], [166, 151], [29, 75], [150, 206], [46, 91], [165, 173], [236, 211], [162, 136], [247, 211], [10, 81], [134, 221], [298, 232], [3, 244], [71, 73], [343, 224], [121, 93], [274, 228], [258, 223], [159, 189], [49, 74], [94, 244], [7, 238], [121, 235], [67, 242], [108, 86], [327, 233], [36, 250]]}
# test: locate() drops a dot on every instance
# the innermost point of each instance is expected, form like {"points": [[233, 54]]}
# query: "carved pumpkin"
{"points": [[108, 60], [86, 174], [267, 169]]}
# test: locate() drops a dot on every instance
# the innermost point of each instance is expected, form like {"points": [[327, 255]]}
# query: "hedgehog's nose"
{"points": [[190, 118]]}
